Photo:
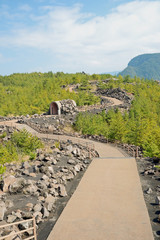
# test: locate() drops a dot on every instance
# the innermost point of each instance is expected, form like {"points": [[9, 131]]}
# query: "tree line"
{"points": [[139, 126]]}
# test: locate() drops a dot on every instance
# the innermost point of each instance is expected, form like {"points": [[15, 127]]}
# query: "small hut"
{"points": [[66, 106]]}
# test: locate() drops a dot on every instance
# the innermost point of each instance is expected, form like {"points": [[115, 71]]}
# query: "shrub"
{"points": [[25, 141]]}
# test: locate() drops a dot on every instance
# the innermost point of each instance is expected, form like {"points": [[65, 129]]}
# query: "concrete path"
{"points": [[108, 203]]}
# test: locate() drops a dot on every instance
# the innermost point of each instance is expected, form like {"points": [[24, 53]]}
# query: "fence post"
{"points": [[133, 153], [89, 149], [137, 151], [34, 225]]}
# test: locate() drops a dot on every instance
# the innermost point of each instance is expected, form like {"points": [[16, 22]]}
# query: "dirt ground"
{"points": [[150, 181], [59, 206]]}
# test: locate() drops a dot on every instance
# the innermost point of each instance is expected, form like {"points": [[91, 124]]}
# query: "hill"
{"points": [[144, 66]]}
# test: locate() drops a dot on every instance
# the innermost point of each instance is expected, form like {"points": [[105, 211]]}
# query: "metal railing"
{"points": [[18, 233]]}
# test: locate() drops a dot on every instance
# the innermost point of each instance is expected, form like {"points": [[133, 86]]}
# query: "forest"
{"points": [[23, 94], [140, 126]]}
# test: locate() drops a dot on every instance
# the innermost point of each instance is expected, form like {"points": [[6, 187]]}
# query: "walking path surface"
{"points": [[108, 204]]}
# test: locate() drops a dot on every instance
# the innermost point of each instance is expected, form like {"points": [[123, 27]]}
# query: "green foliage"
{"points": [[2, 169], [3, 135], [90, 123], [23, 94], [139, 126], [25, 141], [32, 156], [21, 143], [145, 66], [57, 144], [7, 153]]}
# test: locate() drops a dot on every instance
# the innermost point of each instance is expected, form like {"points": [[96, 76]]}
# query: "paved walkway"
{"points": [[108, 203]]}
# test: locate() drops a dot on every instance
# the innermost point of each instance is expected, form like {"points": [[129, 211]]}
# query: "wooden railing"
{"points": [[130, 150], [15, 234]]}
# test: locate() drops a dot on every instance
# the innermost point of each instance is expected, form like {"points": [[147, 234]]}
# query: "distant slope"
{"points": [[144, 66]]}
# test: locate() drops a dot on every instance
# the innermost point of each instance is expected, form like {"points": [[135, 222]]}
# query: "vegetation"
{"points": [[23, 94], [140, 126], [32, 93], [21, 143], [145, 66]]}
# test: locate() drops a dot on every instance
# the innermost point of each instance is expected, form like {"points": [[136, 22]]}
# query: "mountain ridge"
{"points": [[145, 66]]}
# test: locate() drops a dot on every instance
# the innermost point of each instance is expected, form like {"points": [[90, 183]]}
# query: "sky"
{"points": [[76, 35]]}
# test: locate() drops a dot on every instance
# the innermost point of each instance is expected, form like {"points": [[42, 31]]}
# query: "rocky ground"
{"points": [[42, 187], [117, 93], [149, 171], [51, 124]]}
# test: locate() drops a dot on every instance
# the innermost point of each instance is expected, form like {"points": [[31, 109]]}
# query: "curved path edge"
{"points": [[108, 203]]}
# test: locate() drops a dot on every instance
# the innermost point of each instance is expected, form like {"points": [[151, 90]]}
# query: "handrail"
{"points": [[130, 150], [84, 143], [33, 235]]}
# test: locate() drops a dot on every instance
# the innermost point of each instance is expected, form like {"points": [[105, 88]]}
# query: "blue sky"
{"points": [[73, 36]]}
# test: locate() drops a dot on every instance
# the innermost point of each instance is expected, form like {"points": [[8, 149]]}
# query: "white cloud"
{"points": [[25, 8], [82, 41]]}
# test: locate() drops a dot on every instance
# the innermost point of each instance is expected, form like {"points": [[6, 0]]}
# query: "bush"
{"points": [[25, 141], [2, 169], [8, 153]]}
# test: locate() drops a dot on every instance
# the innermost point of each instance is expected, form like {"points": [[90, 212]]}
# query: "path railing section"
{"points": [[17, 234], [131, 150], [87, 144]]}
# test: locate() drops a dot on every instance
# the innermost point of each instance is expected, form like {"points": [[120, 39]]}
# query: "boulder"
{"points": [[76, 152], [32, 174], [17, 185], [77, 167], [71, 161], [54, 161], [29, 206], [42, 185], [26, 215], [149, 191], [25, 172], [37, 207], [2, 210], [26, 165], [49, 202], [69, 176], [7, 181], [69, 148], [38, 216], [13, 236], [157, 200], [50, 170], [45, 212], [18, 214], [62, 190], [24, 225], [9, 203], [11, 218], [30, 188]]}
